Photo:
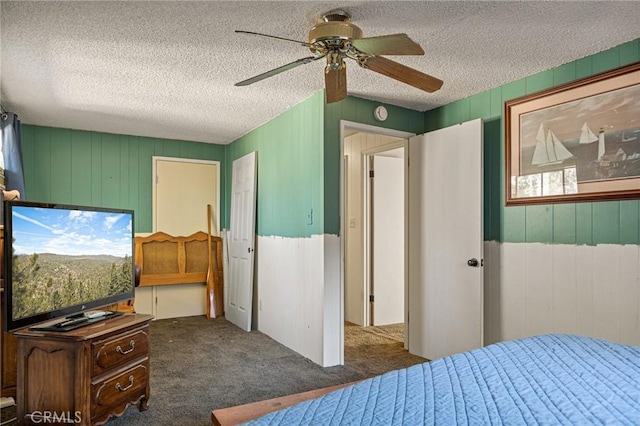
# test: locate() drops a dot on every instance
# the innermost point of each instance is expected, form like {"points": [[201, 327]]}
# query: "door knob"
{"points": [[473, 262]]}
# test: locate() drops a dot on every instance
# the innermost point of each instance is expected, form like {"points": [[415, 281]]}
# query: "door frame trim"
{"points": [[345, 126], [154, 174]]}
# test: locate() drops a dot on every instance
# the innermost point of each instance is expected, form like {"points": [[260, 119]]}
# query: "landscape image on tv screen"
{"points": [[67, 257]]}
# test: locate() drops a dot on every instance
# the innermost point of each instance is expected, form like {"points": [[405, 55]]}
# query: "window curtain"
{"points": [[12, 154]]}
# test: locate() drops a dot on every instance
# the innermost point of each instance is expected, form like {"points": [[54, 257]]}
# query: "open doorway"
{"points": [[374, 211], [446, 300]]}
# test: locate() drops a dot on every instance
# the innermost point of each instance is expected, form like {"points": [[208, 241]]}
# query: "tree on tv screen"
{"points": [[43, 282]]}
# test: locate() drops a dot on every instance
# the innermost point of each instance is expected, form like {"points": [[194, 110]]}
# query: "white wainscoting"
{"points": [[292, 295], [534, 288]]}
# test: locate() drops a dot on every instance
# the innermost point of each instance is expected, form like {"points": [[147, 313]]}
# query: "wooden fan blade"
{"points": [[303, 43], [278, 70], [335, 82], [393, 44], [401, 73]]}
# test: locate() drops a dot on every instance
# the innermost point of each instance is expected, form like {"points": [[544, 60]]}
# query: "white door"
{"points": [[445, 236], [387, 238], [241, 241]]}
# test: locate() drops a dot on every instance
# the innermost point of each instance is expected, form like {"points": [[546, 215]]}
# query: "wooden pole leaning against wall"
{"points": [[211, 302]]}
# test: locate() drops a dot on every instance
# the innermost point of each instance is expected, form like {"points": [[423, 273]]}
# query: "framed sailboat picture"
{"points": [[575, 142]]}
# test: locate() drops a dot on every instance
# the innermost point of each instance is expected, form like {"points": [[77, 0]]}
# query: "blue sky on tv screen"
{"points": [[71, 232]]}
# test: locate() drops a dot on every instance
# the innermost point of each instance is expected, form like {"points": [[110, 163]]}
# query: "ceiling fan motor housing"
{"points": [[324, 31], [333, 29]]}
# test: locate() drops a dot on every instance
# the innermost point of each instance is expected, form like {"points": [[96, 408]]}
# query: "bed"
{"points": [[547, 379]]}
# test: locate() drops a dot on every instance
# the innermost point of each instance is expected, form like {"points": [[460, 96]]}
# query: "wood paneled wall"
{"points": [[289, 158], [535, 288], [101, 169], [614, 222]]}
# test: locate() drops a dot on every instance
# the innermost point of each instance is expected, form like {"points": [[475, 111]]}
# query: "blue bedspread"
{"points": [[549, 379]]}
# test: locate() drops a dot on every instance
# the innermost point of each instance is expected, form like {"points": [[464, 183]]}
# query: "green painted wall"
{"points": [[360, 111], [101, 169], [614, 222], [299, 163], [290, 158]]}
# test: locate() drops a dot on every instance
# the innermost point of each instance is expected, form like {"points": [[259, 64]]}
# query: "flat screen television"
{"points": [[62, 260]]}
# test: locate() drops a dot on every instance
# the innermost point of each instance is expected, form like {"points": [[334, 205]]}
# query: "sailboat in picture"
{"points": [[549, 150], [586, 135]]}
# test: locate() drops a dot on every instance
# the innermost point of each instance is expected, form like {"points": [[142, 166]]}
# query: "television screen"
{"points": [[61, 260]]}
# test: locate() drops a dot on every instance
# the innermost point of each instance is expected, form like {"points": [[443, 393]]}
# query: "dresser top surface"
{"points": [[91, 331]]}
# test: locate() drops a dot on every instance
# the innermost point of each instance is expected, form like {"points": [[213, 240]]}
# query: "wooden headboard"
{"points": [[168, 260]]}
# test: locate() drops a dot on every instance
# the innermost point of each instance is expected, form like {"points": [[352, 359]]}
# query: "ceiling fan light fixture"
{"points": [[335, 62]]}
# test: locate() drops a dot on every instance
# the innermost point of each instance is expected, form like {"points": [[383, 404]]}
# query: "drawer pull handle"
{"points": [[122, 389], [121, 352]]}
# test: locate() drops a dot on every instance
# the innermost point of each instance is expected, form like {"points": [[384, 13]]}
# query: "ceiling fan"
{"points": [[335, 37]]}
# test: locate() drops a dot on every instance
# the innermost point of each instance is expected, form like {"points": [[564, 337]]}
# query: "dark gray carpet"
{"points": [[198, 365]]}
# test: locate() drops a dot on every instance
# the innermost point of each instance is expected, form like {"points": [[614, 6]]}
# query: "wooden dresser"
{"points": [[85, 376], [7, 340], [8, 346]]}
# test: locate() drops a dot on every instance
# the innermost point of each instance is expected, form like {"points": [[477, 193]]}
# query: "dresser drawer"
{"points": [[122, 388], [119, 350]]}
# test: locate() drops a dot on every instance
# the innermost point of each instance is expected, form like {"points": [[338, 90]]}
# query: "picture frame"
{"points": [[576, 142]]}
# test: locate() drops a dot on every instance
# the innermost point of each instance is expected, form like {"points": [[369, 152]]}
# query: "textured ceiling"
{"points": [[167, 69]]}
